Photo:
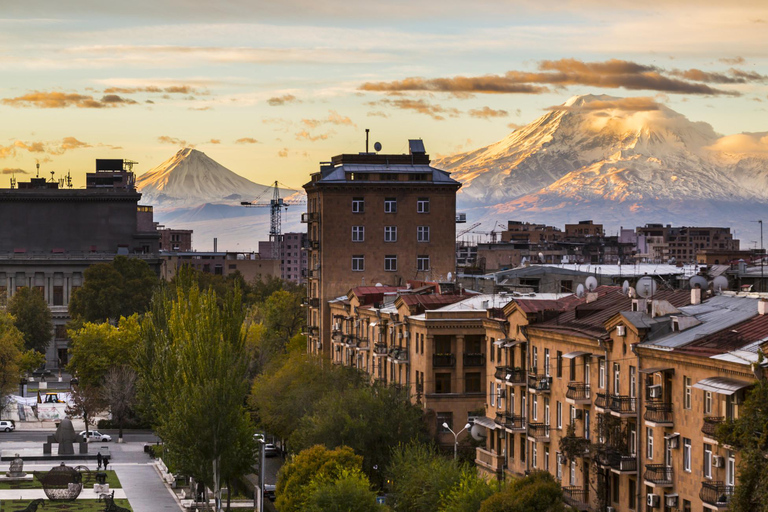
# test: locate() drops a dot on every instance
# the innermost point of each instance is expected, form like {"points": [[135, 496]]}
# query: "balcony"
{"points": [[716, 493], [308, 217], [658, 412], [443, 360], [513, 376], [618, 462], [538, 431], [601, 401], [489, 460], [362, 343], [313, 331], [578, 393], [659, 475], [474, 359], [709, 427], [314, 245], [622, 406], [379, 349], [398, 355], [539, 383], [314, 302], [514, 422], [577, 497], [314, 274]]}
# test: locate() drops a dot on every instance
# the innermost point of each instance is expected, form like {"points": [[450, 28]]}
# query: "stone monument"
{"points": [[17, 468], [66, 437]]}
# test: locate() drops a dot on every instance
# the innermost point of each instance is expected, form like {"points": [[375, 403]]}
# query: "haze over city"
{"points": [[270, 89]]}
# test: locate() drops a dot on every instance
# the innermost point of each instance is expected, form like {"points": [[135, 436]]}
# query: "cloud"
{"points": [[421, 106], [214, 141], [68, 143], [333, 118], [173, 89], [200, 109], [39, 147], [611, 74], [246, 140], [733, 61], [742, 143], [377, 113], [487, 113], [514, 126], [55, 99], [305, 135], [282, 100], [732, 76], [283, 153], [636, 104], [165, 139], [9, 170]]}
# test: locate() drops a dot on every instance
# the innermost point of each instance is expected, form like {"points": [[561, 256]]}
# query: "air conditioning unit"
{"points": [[621, 330], [718, 461], [653, 500], [670, 500], [502, 393], [654, 391]]}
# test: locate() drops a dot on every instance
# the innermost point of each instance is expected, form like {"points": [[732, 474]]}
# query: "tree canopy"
{"points": [[349, 492], [98, 347], [537, 492], [32, 317], [111, 290], [14, 361]]}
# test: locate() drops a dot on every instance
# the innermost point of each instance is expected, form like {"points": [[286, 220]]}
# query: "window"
{"points": [[546, 459], [686, 454], [472, 383], [707, 460], [390, 233], [535, 408], [534, 455], [522, 449], [422, 205], [358, 233], [58, 295], [707, 402], [490, 344], [422, 234], [649, 445], [442, 383], [633, 442], [687, 396], [358, 205], [686, 506], [444, 417], [390, 263], [566, 286], [616, 378], [422, 263], [601, 374], [493, 394], [60, 332], [632, 494], [390, 205], [632, 381], [535, 358], [615, 487], [546, 411], [546, 362], [358, 263], [572, 476], [559, 364], [559, 414], [587, 426], [559, 467]]}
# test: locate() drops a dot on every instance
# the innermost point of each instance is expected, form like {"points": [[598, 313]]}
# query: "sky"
{"points": [[269, 89]]}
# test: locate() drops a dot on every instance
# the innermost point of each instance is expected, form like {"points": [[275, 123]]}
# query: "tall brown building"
{"points": [[375, 218]]}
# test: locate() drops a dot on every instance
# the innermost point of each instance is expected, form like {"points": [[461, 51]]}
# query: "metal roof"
{"points": [[576, 353], [338, 173], [486, 422], [657, 369], [722, 385]]}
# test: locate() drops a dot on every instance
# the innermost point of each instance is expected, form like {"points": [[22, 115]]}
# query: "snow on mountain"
{"points": [[615, 160], [190, 178]]}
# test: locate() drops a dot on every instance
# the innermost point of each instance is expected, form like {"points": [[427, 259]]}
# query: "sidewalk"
{"points": [[45, 425]]}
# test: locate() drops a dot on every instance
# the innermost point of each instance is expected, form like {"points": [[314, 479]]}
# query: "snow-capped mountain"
{"points": [[621, 161], [190, 179]]}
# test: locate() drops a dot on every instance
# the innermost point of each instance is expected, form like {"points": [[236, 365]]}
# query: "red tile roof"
{"points": [[732, 338]]}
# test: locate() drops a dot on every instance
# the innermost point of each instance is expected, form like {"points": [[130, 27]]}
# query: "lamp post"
{"points": [[456, 437], [260, 438]]}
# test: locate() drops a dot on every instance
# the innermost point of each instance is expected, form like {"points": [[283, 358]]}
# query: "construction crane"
{"points": [[275, 205], [467, 230]]}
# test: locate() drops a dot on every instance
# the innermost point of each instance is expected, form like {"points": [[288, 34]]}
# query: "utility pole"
{"points": [[762, 254]]}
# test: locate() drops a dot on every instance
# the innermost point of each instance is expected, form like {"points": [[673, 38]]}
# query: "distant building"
{"points": [[666, 243], [250, 265], [375, 218], [175, 240], [292, 253]]}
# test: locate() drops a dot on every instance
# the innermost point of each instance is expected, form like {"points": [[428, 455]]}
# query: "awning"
{"points": [[486, 422], [513, 343], [501, 342], [672, 436], [658, 369], [374, 324], [722, 385], [575, 354]]}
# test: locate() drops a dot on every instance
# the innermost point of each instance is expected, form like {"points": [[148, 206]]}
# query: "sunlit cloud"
{"points": [[165, 139], [55, 99], [487, 113], [276, 101], [733, 61], [246, 140], [333, 118], [41, 147], [635, 104], [10, 170], [305, 135], [742, 143], [420, 106]]}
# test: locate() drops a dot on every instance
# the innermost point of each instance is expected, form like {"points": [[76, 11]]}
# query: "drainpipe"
{"points": [[638, 437]]}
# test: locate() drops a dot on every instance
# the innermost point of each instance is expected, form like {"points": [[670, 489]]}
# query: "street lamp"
{"points": [[456, 437], [261, 439]]}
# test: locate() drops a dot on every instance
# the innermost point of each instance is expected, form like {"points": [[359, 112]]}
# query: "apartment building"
{"points": [[375, 218], [665, 243], [643, 382]]}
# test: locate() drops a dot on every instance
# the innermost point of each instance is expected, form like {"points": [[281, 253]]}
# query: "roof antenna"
{"points": [[38, 169], [366, 140]]}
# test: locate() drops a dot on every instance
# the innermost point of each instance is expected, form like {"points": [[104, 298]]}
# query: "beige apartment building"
{"points": [[375, 218]]}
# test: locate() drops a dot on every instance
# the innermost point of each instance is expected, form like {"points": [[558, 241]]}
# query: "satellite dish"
{"points": [[524, 261], [379, 284], [377, 146], [625, 287], [450, 276], [580, 290], [698, 282], [646, 287], [720, 283], [541, 257], [591, 283], [478, 432]]}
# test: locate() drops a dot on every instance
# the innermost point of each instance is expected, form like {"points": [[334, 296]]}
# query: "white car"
{"points": [[7, 426], [95, 435]]}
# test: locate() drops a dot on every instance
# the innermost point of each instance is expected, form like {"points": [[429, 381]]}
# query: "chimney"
{"points": [[591, 297], [695, 296], [762, 306], [215, 244]]}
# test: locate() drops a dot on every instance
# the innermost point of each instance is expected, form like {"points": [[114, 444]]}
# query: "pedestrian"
{"points": [[98, 461], [106, 462]]}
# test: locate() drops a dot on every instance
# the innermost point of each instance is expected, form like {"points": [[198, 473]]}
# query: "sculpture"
{"points": [[32, 507], [66, 437], [16, 470], [61, 483], [110, 503]]}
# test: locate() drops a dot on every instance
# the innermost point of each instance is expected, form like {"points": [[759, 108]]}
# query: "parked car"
{"points": [[7, 426], [95, 435], [270, 450], [269, 492]]}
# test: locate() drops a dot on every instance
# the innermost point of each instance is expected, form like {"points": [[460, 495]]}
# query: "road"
{"points": [[41, 436]]}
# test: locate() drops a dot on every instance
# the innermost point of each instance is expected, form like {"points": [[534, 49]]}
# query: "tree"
{"points": [[418, 478], [32, 318], [111, 290], [349, 492], [86, 401], [98, 347], [468, 495], [368, 418], [537, 492], [193, 372], [119, 393], [11, 346], [294, 481]]}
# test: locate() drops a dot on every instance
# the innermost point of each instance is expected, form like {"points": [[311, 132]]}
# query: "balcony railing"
{"points": [[716, 493], [514, 422], [443, 360], [539, 383], [618, 461], [490, 460], [474, 359], [362, 343], [709, 427], [658, 412], [380, 349], [398, 354], [577, 391], [601, 400], [577, 497], [622, 404], [313, 331], [500, 418], [515, 376], [314, 302], [539, 431], [659, 474]]}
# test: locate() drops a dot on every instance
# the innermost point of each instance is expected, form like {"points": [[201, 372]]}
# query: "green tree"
{"points": [[11, 357], [349, 492], [294, 481], [368, 418], [98, 347], [537, 492], [111, 290], [194, 373], [32, 317], [419, 477], [749, 435], [469, 494]]}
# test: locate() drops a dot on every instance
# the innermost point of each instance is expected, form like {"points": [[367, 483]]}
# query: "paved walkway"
{"points": [[33, 494], [144, 489]]}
